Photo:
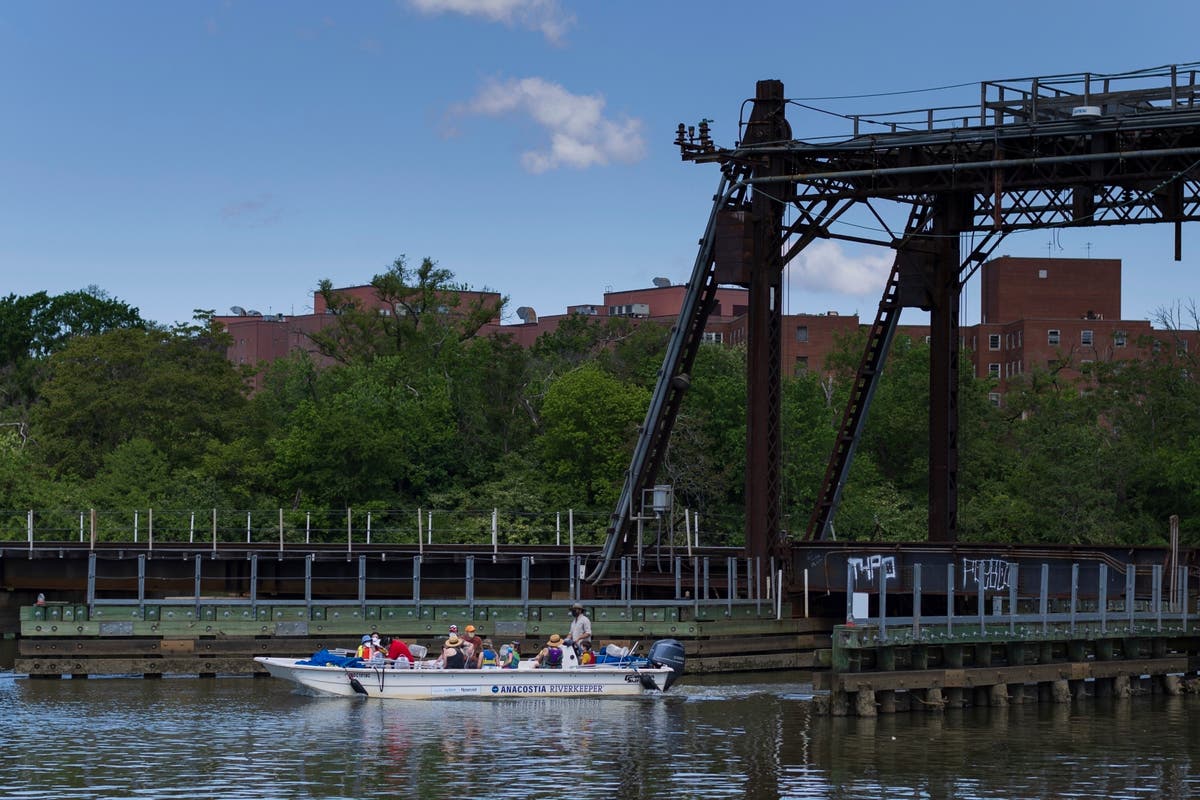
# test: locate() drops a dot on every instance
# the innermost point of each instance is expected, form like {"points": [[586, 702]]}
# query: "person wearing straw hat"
{"points": [[452, 656], [551, 656]]}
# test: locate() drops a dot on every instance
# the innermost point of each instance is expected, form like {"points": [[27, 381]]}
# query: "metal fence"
{"points": [[414, 526], [1004, 601], [272, 580]]}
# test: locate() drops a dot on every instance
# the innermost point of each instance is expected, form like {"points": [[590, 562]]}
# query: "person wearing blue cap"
{"points": [[365, 650]]}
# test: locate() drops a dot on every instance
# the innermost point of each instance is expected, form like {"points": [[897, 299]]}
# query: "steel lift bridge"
{"points": [[1057, 151]]}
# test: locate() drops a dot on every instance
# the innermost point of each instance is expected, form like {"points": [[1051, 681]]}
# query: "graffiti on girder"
{"points": [[991, 573], [868, 566]]}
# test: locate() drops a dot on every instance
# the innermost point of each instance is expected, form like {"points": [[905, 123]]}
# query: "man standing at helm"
{"points": [[581, 626]]}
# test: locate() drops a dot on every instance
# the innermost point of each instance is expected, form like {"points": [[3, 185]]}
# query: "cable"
{"points": [[885, 94]]}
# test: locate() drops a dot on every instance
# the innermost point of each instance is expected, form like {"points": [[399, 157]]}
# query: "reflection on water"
{"points": [[727, 737]]}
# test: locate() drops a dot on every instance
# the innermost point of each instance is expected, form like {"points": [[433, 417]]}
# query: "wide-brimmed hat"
{"points": [[470, 629], [366, 638], [555, 639], [453, 641], [577, 605]]}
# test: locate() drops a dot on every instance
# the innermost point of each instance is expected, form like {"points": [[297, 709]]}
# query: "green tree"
{"points": [[706, 459], [371, 433], [173, 388], [34, 327], [589, 422], [421, 310]]}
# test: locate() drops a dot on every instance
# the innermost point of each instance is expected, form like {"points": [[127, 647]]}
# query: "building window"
{"points": [[1052, 337], [927, 339], [1085, 338], [1043, 274], [802, 333], [994, 397], [801, 365], [1119, 338], [1018, 338], [994, 369], [993, 341], [714, 337]]}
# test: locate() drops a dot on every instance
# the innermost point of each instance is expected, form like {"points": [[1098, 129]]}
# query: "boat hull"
{"points": [[432, 684]]}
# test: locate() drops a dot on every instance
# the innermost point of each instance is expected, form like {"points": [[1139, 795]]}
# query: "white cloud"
{"points": [[824, 267], [580, 136], [544, 16]]}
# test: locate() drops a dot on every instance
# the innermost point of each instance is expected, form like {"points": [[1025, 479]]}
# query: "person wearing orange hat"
{"points": [[474, 649]]}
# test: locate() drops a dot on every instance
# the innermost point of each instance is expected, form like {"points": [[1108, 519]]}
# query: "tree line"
{"points": [[100, 408]]}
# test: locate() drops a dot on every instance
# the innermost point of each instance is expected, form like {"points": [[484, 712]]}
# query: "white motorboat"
{"points": [[422, 680]]}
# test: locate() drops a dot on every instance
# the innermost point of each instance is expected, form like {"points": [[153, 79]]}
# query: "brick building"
{"points": [[1056, 314], [259, 339], [1036, 313]]}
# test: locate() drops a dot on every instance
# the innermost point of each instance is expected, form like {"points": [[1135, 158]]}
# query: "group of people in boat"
{"points": [[376, 647], [469, 650], [472, 651]]}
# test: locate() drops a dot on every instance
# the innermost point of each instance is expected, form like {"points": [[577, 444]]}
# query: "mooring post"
{"points": [[254, 584], [1183, 600], [1158, 604], [471, 586], [91, 584], [950, 599], [916, 626], [525, 587], [196, 590], [849, 592], [1103, 602], [308, 566], [1014, 578], [979, 584], [883, 608], [1130, 594], [1074, 593], [362, 586], [142, 584], [416, 584], [1044, 599]]}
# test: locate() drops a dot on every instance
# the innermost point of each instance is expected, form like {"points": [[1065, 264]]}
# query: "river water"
{"points": [[723, 736]]}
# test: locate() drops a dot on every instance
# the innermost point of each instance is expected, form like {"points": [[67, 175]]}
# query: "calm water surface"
{"points": [[731, 737]]}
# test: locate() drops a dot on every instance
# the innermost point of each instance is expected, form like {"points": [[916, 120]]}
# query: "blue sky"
{"points": [[213, 153]]}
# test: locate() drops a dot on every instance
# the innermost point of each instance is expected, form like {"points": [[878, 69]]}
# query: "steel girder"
{"points": [[1138, 163]]}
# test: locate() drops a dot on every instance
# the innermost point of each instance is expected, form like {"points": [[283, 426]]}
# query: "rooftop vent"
{"points": [[661, 283], [527, 315], [237, 311], [1086, 112]]}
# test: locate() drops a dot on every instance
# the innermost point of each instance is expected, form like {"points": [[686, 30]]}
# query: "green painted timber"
{"points": [[275, 620], [165, 638]]}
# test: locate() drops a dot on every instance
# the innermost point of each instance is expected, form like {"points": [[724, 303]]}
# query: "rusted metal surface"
{"points": [[1078, 150]]}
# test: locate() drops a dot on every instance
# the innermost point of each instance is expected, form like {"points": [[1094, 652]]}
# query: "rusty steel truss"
{"points": [[1059, 151]]}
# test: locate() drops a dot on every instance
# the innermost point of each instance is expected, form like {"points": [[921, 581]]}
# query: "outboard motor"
{"points": [[667, 653]]}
